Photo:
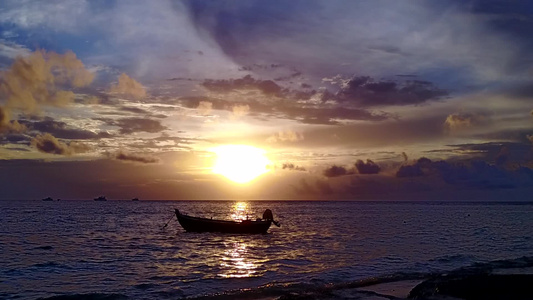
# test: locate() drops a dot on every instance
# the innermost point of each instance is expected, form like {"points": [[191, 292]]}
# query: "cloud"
{"points": [[47, 143], [131, 125], [285, 136], [36, 79], [365, 92], [323, 187], [409, 171], [267, 87], [128, 86], [7, 126], [138, 158], [369, 167], [295, 108], [291, 166], [476, 174], [462, 121], [240, 110], [61, 130], [530, 138], [11, 50], [423, 40], [320, 187], [499, 152], [204, 108], [335, 171], [405, 157]]}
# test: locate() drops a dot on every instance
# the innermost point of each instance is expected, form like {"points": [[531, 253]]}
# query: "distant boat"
{"points": [[47, 199], [135, 199], [195, 224], [101, 198]]}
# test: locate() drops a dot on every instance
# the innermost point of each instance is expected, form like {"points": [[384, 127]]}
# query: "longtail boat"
{"points": [[196, 224]]}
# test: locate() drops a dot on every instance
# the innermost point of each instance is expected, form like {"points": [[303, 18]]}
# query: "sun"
{"points": [[240, 163]]}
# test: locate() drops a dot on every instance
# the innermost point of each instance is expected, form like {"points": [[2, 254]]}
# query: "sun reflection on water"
{"points": [[240, 211], [235, 261]]}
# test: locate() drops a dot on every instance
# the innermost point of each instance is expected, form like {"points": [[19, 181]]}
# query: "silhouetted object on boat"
{"points": [[195, 224], [47, 199], [135, 199], [101, 198]]}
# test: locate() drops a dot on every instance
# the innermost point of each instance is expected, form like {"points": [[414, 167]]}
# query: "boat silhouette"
{"points": [[47, 199], [101, 198], [196, 224]]}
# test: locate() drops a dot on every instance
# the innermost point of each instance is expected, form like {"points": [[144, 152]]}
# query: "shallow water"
{"points": [[120, 247]]}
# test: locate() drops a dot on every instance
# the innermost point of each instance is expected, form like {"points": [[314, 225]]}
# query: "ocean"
{"points": [[122, 250]]}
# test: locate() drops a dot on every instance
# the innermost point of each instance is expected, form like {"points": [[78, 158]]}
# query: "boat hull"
{"points": [[195, 224]]}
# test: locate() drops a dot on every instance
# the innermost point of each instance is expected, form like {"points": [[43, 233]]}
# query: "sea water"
{"points": [[122, 250]]}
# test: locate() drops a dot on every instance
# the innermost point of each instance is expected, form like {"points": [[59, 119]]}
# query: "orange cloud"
{"points": [[204, 108], [128, 86], [240, 110], [462, 121], [9, 126], [47, 143], [285, 136], [34, 80]]}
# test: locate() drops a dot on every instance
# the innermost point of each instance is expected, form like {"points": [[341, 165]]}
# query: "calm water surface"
{"points": [[120, 247]]}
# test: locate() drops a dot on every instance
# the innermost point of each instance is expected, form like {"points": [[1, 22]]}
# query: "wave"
{"points": [[478, 281], [90, 296]]}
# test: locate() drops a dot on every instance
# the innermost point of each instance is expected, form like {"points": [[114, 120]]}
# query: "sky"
{"points": [[358, 100]]}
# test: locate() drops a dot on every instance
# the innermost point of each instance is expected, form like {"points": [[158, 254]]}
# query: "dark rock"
{"points": [[476, 286]]}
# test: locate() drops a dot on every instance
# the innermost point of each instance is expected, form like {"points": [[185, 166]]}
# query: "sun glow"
{"points": [[240, 163]]}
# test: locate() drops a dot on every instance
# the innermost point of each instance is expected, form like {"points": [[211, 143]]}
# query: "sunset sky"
{"points": [[378, 100]]}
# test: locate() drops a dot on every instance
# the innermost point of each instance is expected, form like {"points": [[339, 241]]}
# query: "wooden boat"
{"points": [[196, 224]]}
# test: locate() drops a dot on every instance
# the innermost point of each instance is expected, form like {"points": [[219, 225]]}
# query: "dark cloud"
{"points": [[15, 138], [335, 171], [369, 167], [132, 157], [330, 116], [131, 125], [499, 152], [323, 187], [409, 171], [362, 91], [320, 187], [470, 174], [348, 103], [291, 166], [135, 110], [319, 114], [61, 130], [47, 143], [254, 67], [366, 91], [267, 87]]}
